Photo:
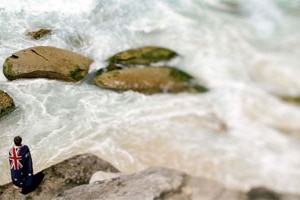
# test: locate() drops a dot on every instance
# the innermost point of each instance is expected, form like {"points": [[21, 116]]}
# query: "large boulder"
{"points": [[148, 80], [6, 103], [166, 184], [60, 177], [46, 62], [142, 56]]}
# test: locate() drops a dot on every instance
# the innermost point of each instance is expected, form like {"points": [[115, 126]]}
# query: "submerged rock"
{"points": [[46, 62], [142, 56], [39, 34], [148, 80], [60, 177], [6, 103], [77, 40], [293, 100]]}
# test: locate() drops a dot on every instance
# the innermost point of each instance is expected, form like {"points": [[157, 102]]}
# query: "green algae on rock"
{"points": [[148, 80], [142, 56], [293, 100], [46, 62], [6, 103]]}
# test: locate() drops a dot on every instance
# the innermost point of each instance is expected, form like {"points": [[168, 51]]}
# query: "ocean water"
{"points": [[240, 133]]}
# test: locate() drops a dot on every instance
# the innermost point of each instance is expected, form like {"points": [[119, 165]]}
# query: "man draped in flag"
{"points": [[20, 165]]}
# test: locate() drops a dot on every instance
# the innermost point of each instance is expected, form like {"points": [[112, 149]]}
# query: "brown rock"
{"points": [[60, 177], [6, 103], [148, 80], [46, 62], [142, 56], [39, 34]]}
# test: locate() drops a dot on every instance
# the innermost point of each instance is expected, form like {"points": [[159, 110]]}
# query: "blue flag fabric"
{"points": [[21, 166]]}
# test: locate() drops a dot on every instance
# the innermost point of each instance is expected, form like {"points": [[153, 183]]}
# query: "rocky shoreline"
{"points": [[89, 177], [70, 180]]}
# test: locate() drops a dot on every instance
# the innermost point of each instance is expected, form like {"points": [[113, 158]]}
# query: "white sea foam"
{"points": [[239, 133], [40, 6]]}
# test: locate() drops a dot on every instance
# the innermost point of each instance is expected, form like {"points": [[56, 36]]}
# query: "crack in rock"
{"points": [[40, 55]]}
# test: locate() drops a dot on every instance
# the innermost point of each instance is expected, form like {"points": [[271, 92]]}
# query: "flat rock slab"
{"points": [[166, 184], [46, 62]]}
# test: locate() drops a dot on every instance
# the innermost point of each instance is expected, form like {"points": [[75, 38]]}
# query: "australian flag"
{"points": [[21, 166]]}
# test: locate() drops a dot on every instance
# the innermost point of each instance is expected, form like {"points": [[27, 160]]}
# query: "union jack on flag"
{"points": [[14, 159]]}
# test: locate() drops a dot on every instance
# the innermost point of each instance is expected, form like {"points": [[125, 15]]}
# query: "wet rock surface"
{"points": [[6, 103], [142, 56], [39, 33], [46, 62], [148, 80]]}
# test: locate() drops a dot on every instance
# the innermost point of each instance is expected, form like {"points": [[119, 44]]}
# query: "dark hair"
{"points": [[18, 140]]}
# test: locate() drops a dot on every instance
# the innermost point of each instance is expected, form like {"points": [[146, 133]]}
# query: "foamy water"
{"points": [[240, 133]]}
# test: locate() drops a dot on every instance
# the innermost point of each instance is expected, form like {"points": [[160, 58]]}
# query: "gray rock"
{"points": [[261, 193], [147, 184], [46, 62], [60, 177], [101, 176], [165, 184], [68, 180], [6, 103]]}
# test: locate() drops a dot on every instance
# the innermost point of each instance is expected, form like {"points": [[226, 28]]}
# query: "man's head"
{"points": [[18, 140]]}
